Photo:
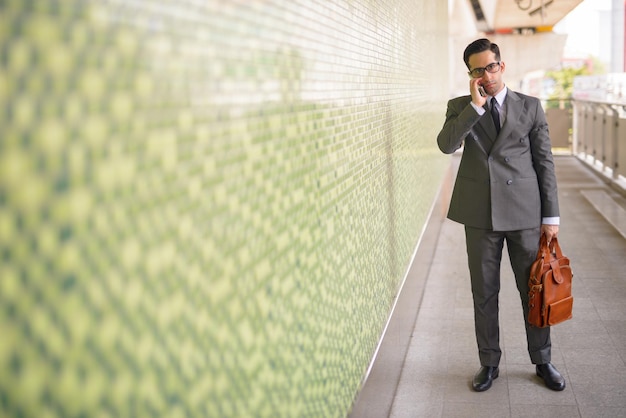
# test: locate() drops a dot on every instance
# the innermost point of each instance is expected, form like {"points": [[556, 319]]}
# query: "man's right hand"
{"points": [[477, 99]]}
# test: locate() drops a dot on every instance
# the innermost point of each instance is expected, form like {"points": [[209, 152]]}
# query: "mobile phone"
{"points": [[481, 90]]}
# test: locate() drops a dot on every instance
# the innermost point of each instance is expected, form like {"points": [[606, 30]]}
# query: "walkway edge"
{"points": [[608, 208]]}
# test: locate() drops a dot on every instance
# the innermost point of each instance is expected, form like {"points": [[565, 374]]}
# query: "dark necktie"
{"points": [[495, 114]]}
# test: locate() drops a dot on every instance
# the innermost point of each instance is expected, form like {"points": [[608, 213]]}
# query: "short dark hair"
{"points": [[480, 45]]}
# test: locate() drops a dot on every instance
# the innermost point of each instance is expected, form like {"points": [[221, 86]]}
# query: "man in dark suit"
{"points": [[505, 190]]}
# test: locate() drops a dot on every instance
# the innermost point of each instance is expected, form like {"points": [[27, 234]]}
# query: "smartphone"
{"points": [[481, 90]]}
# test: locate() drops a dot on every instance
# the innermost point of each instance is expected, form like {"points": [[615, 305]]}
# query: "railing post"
{"points": [[620, 140], [596, 139], [588, 131], [575, 122], [611, 126]]}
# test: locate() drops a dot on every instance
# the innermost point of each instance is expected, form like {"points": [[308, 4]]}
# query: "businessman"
{"points": [[505, 190]]}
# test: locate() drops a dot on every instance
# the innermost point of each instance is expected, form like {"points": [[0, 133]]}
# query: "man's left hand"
{"points": [[551, 231]]}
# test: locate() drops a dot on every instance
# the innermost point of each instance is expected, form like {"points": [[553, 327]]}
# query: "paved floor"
{"points": [[589, 350]]}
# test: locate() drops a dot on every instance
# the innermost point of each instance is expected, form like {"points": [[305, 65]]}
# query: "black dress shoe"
{"points": [[484, 378], [551, 376]]}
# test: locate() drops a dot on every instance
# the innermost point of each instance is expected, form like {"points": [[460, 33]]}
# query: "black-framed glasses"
{"points": [[494, 67]]}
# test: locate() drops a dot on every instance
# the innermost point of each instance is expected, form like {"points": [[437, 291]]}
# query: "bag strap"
{"points": [[544, 250], [556, 271], [557, 254]]}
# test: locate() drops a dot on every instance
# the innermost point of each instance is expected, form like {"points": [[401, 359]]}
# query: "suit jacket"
{"points": [[505, 182]]}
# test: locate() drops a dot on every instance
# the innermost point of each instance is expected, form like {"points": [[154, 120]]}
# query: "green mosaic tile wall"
{"points": [[207, 207]]}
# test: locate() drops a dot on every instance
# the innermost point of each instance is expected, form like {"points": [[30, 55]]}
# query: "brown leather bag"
{"points": [[550, 296]]}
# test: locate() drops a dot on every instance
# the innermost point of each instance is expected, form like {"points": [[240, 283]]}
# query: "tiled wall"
{"points": [[207, 207]]}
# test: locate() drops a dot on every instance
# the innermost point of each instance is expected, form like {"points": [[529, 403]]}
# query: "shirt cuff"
{"points": [[479, 109], [554, 220]]}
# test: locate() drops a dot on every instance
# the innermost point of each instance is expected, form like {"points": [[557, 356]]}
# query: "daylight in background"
{"points": [[594, 46], [588, 29]]}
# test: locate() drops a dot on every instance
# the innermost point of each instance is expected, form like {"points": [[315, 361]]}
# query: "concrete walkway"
{"points": [[589, 350]]}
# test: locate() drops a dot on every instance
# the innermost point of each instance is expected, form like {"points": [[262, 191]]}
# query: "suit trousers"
{"points": [[484, 251]]}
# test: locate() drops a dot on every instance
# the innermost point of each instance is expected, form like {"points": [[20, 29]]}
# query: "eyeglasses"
{"points": [[494, 67]]}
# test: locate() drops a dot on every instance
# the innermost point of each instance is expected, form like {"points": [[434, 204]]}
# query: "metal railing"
{"points": [[599, 124]]}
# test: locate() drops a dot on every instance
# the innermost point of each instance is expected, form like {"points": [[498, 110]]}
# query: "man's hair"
{"points": [[480, 45]]}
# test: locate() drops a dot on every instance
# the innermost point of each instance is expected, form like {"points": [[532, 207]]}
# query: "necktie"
{"points": [[495, 114]]}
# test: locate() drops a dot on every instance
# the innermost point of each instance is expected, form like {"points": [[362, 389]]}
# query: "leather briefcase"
{"points": [[550, 295]]}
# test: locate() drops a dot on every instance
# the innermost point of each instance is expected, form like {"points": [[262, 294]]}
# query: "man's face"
{"points": [[491, 82]]}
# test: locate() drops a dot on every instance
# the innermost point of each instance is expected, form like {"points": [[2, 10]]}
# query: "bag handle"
{"points": [[549, 251], [544, 250], [555, 248]]}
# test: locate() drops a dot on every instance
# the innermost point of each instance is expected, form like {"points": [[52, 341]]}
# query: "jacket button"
{"points": [[509, 182], [507, 159]]}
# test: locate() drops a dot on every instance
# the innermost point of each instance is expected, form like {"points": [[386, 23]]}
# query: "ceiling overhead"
{"points": [[523, 32], [515, 16]]}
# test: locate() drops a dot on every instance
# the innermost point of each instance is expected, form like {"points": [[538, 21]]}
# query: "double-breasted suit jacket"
{"points": [[505, 181]]}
